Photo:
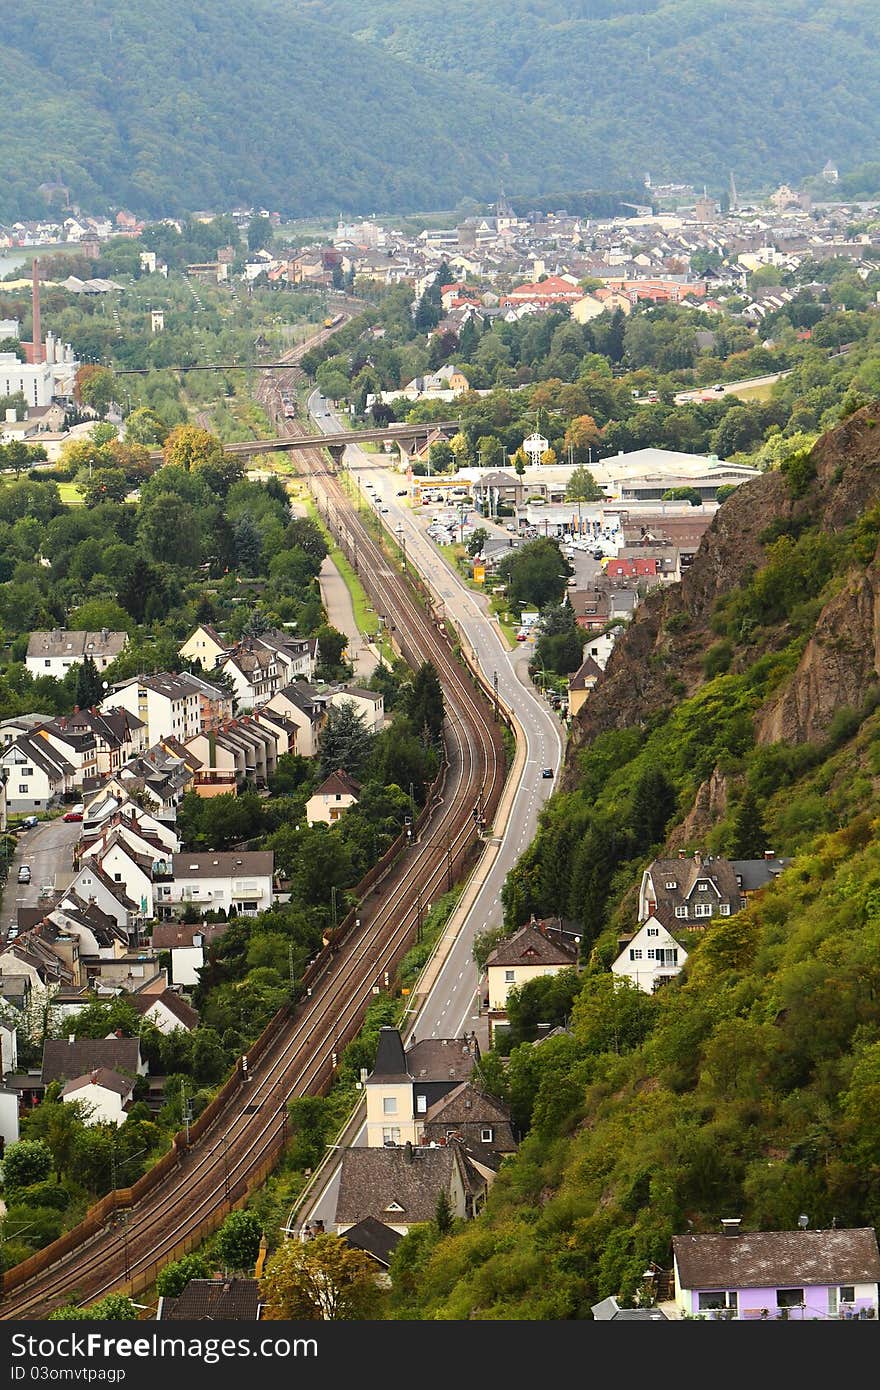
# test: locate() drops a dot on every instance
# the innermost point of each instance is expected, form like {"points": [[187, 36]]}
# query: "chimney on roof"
{"points": [[698, 858], [730, 1225], [681, 854], [71, 1038]]}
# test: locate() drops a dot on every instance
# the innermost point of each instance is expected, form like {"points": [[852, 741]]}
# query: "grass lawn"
{"points": [[70, 494], [364, 613], [753, 393]]}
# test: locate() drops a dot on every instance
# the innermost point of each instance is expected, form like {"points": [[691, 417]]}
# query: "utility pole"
{"points": [[495, 694], [333, 905]]}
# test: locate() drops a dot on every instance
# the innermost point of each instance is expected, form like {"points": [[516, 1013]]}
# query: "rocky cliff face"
{"points": [[660, 658]]}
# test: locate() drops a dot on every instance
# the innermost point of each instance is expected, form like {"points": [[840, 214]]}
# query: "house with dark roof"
{"points": [[531, 952], [404, 1084], [213, 1300], [399, 1186], [691, 889], [329, 802], [167, 1011], [795, 1275], [375, 1239], [104, 1095], [65, 1059], [480, 1121]]}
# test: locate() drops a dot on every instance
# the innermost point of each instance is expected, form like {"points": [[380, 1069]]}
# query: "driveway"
{"points": [[48, 852]]}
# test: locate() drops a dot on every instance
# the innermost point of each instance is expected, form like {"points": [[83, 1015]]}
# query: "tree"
{"points": [[748, 834], [582, 487], [461, 450], [323, 1279], [582, 437], [189, 447], [476, 541], [173, 1279], [305, 534], [238, 1242], [425, 706], [88, 684], [144, 426], [440, 456], [536, 573], [247, 543], [27, 1162], [345, 741], [95, 386], [105, 485], [443, 1213], [520, 461], [548, 458], [653, 806], [116, 1307], [682, 494], [259, 233]]}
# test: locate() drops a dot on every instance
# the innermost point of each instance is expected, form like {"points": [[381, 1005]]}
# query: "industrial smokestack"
{"points": [[37, 333]]}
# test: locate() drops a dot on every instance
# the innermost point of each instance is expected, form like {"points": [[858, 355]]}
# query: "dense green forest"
{"points": [[740, 711], [682, 88], [190, 104], [321, 105]]}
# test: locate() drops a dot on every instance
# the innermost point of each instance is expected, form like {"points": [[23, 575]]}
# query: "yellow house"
{"points": [[528, 954], [587, 308], [581, 683], [329, 802], [205, 646]]}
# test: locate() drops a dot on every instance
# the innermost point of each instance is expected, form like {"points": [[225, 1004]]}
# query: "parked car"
{"points": [[75, 813], [29, 822], [401, 492], [510, 527], [24, 874], [46, 890]]}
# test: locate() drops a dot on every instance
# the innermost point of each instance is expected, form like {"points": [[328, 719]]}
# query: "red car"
{"points": [[75, 813]]}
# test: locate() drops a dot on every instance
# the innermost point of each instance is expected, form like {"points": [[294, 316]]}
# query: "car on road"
{"points": [[718, 386], [401, 492], [548, 772], [24, 874], [510, 527], [29, 822], [75, 813], [522, 637], [384, 511]]}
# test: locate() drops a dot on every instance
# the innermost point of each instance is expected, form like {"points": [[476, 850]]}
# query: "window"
{"points": [[487, 1134], [48, 661], [724, 909], [635, 955], [391, 1136], [789, 1298], [22, 789], [672, 883], [509, 977], [702, 909], [653, 931], [847, 1293], [702, 886], [681, 912], [389, 1105], [724, 1298], [27, 771], [117, 878], [421, 1104]]}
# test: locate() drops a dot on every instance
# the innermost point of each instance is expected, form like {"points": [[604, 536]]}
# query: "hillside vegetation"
{"points": [[740, 711], [683, 88], [189, 104]]}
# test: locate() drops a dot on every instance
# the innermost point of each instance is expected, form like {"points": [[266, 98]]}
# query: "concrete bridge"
{"points": [[404, 437]]}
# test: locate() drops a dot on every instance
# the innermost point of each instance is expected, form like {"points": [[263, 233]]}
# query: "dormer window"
{"points": [[702, 886], [671, 883]]}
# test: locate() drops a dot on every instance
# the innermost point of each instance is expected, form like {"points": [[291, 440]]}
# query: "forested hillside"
{"points": [[682, 88], [321, 105], [189, 104], [740, 712]]}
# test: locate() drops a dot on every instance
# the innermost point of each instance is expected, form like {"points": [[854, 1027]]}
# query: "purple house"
{"points": [[799, 1275]]}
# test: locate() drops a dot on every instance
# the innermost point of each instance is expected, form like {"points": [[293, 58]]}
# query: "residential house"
{"points": [[64, 1059], [53, 653], [92, 885], [259, 666], [592, 608], [480, 1121], [531, 952], [214, 880], [399, 1186], [129, 867], [117, 735], [581, 683], [650, 957], [169, 705], [104, 1094], [329, 802], [187, 944], [692, 890], [369, 704], [378, 1241], [305, 707], [793, 1275], [213, 1300], [205, 646], [168, 1011], [656, 563], [403, 1085], [37, 774]]}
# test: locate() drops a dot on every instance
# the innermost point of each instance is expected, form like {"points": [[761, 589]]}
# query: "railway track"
{"points": [[245, 1139]]}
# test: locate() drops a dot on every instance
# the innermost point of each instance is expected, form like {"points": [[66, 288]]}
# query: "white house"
{"points": [[215, 880], [130, 870], [53, 653], [105, 1095], [369, 704], [528, 954], [332, 799], [186, 944], [306, 708], [37, 773], [169, 705], [93, 884], [651, 958]]}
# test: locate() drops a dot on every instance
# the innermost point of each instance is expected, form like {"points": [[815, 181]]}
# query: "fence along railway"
{"points": [[130, 1234]]}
